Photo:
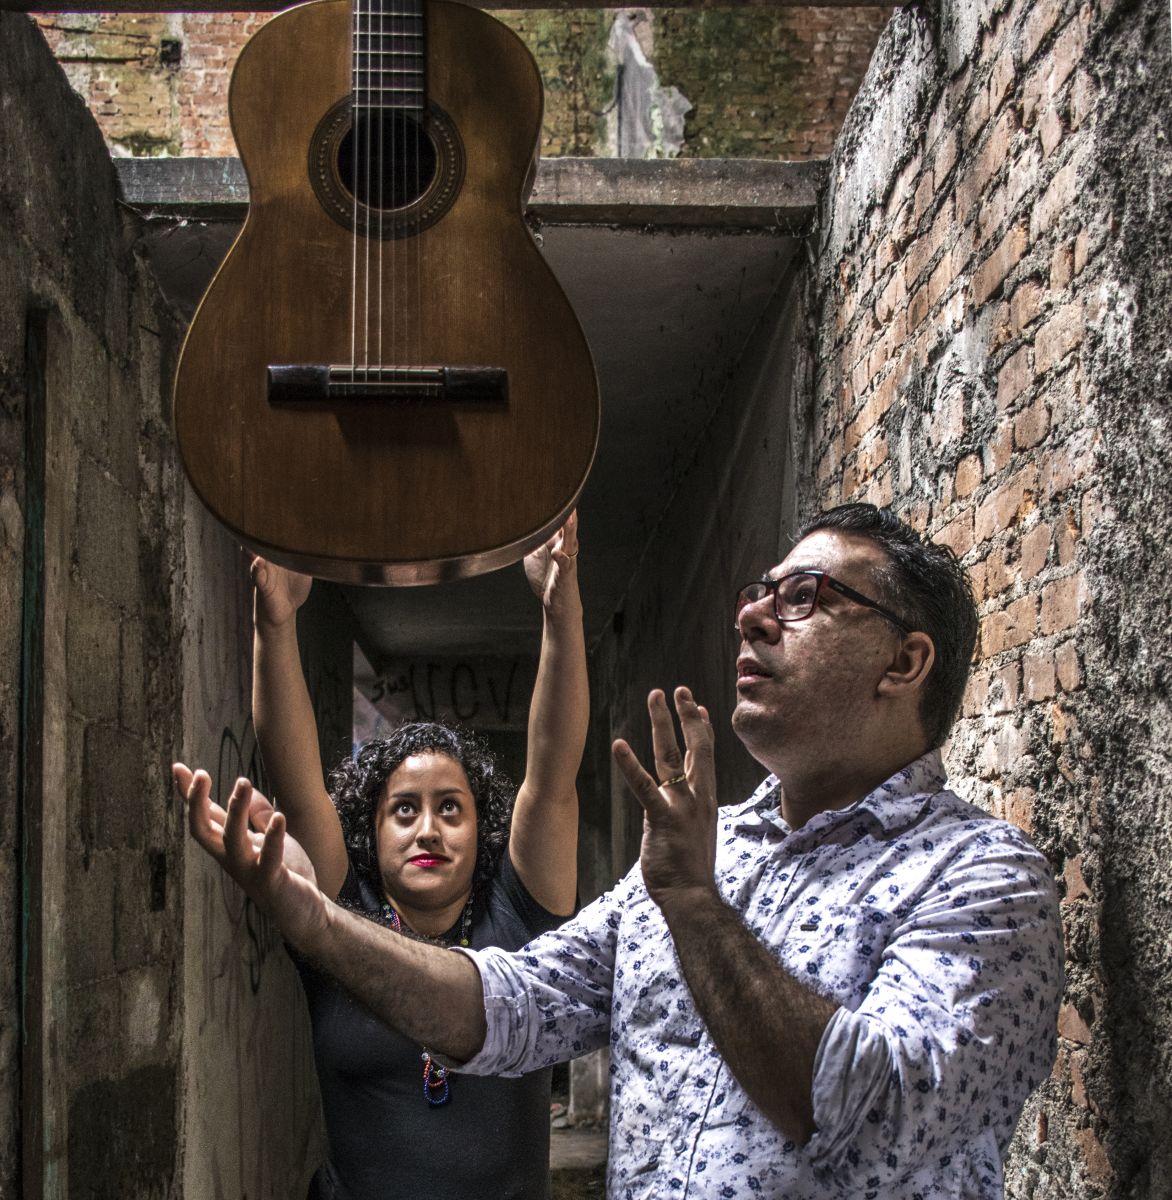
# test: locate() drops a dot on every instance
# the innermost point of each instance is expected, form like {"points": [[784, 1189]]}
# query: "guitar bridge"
{"points": [[313, 385]]}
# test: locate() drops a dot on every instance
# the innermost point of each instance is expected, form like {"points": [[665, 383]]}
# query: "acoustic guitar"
{"points": [[384, 382]]}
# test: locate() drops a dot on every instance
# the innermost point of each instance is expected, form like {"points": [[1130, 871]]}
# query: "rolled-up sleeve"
{"points": [[955, 1030], [551, 1000]]}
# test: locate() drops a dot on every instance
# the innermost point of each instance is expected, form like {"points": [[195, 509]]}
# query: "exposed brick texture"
{"points": [[762, 84], [978, 318]]}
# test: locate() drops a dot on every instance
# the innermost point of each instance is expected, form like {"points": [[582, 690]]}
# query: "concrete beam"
{"points": [[727, 194]]}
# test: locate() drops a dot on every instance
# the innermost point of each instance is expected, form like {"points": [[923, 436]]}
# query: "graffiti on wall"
{"points": [[253, 932], [479, 693]]}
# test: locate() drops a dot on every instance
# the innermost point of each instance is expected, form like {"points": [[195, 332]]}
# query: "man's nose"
{"points": [[758, 619]]}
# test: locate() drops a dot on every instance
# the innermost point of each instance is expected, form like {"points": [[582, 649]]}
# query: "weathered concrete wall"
{"points": [[250, 1107], [993, 327], [108, 851], [730, 520], [151, 1012]]}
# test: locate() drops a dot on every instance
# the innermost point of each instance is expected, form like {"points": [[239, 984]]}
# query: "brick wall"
{"points": [[762, 84], [979, 370], [209, 44], [765, 83]]}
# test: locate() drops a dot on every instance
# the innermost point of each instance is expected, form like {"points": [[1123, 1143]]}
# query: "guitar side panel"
{"points": [[378, 495]]}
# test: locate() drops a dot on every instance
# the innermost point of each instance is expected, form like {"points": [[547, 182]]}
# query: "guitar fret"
{"points": [[383, 76], [389, 58]]}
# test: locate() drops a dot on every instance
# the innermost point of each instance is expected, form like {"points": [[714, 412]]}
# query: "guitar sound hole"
{"points": [[386, 159]]}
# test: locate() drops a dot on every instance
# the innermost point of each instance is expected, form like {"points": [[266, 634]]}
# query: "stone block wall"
{"points": [[130, 1005], [992, 308], [92, 850]]}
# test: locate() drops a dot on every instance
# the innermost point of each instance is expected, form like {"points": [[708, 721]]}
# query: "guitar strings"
{"points": [[381, 167], [367, 126], [387, 84], [355, 83]]}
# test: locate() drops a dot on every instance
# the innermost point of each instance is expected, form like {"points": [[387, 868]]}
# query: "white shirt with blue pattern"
{"points": [[935, 928]]}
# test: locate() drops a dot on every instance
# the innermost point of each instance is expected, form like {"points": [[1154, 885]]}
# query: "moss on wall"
{"points": [[763, 83], [738, 69], [578, 74]]}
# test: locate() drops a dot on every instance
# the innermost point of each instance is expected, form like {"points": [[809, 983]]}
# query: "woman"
{"points": [[417, 834]]}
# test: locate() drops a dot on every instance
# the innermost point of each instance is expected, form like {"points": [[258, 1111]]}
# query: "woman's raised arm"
{"points": [[286, 731], [543, 843]]}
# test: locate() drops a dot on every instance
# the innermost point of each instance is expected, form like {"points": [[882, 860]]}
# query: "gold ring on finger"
{"points": [[680, 778]]}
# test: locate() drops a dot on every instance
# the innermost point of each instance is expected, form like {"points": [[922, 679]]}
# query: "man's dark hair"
{"points": [[356, 786], [924, 583]]}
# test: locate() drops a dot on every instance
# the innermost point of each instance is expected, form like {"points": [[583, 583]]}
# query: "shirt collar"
{"points": [[893, 805]]}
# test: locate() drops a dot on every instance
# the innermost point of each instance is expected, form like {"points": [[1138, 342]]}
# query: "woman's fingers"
{"points": [[569, 546]]}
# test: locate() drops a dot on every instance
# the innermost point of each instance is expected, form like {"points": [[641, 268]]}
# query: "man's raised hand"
{"points": [[678, 855], [249, 841]]}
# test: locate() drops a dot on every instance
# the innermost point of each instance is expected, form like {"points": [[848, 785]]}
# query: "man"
{"points": [[845, 987]]}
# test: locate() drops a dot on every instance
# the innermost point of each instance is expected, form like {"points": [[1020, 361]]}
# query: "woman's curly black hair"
{"points": [[356, 786]]}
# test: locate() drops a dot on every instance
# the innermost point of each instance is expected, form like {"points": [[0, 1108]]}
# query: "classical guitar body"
{"points": [[384, 382]]}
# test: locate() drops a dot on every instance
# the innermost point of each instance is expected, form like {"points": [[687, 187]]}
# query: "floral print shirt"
{"points": [[935, 928]]}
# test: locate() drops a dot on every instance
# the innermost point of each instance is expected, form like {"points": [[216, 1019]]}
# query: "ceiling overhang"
{"points": [[669, 264]]}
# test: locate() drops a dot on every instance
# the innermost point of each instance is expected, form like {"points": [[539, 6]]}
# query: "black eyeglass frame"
{"points": [[824, 581]]}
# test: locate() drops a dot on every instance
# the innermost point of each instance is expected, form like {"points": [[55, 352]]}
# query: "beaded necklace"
{"points": [[436, 1083]]}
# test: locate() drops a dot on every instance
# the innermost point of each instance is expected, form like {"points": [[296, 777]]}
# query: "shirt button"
{"points": [[680, 1145]]}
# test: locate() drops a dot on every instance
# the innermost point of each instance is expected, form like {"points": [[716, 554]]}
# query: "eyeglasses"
{"points": [[796, 596]]}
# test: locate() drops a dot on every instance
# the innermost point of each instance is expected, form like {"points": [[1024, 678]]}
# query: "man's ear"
{"points": [[909, 666]]}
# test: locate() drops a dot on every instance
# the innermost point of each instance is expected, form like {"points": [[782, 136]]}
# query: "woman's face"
{"points": [[425, 832]]}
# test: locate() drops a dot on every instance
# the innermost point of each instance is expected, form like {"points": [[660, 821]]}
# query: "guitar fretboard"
{"points": [[389, 55]]}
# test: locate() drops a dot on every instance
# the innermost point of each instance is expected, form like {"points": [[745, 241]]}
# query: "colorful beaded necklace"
{"points": [[436, 1084]]}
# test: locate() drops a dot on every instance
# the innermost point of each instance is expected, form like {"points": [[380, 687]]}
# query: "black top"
{"points": [[490, 1140]]}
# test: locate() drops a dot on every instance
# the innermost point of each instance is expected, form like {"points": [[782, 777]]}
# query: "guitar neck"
{"points": [[390, 55]]}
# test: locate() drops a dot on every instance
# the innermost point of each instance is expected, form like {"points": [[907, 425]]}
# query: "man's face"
{"points": [[803, 687]]}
